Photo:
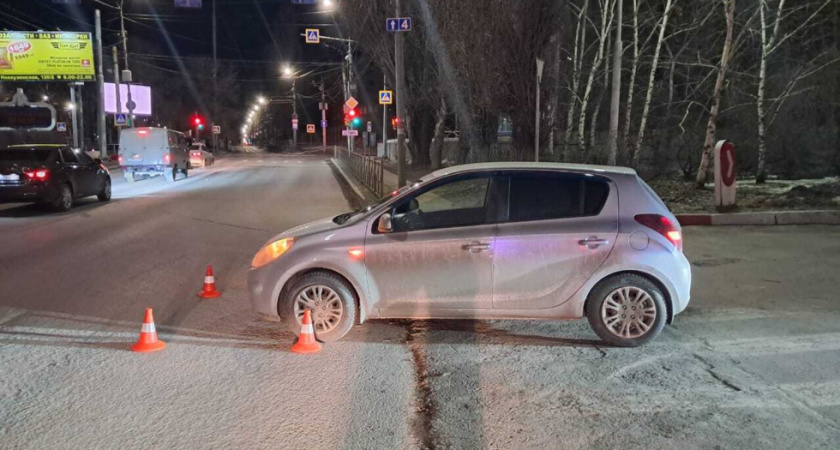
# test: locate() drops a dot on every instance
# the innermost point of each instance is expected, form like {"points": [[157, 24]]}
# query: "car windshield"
{"points": [[31, 155]]}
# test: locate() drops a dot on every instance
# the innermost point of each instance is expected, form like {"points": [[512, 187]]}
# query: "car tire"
{"points": [[105, 194], [171, 174], [323, 309], [64, 199], [129, 177], [632, 297], [186, 172]]}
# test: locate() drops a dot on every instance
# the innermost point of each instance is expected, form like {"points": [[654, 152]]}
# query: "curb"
{"points": [[819, 217]]}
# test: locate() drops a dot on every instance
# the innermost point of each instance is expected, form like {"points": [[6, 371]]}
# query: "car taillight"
{"points": [[38, 175], [663, 226], [167, 158], [120, 159]]}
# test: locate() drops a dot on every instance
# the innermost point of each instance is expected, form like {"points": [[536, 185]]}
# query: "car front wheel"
{"points": [[105, 194], [330, 300], [626, 310]]}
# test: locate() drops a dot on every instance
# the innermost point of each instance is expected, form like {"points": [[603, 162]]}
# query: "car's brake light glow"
{"points": [[663, 226], [142, 132], [38, 175], [167, 158]]}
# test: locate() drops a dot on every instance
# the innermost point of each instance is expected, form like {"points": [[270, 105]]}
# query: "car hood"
{"points": [[308, 229]]}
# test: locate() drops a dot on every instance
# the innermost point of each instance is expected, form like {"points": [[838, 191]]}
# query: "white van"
{"points": [[153, 151]]}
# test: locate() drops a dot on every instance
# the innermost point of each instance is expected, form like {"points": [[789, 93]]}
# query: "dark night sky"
{"points": [[260, 34]]}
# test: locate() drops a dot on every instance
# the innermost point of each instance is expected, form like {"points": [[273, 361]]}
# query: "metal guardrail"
{"points": [[367, 169]]}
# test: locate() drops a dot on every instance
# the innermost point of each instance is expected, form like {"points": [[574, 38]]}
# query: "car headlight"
{"points": [[271, 252]]}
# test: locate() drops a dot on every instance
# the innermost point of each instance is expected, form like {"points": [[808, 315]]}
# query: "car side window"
{"points": [[457, 203], [544, 196], [84, 158], [68, 155]]}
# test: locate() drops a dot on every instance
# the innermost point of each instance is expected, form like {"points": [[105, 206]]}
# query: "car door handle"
{"points": [[593, 242], [475, 247]]}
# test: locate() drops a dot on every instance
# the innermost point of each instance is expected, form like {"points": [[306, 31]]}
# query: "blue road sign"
{"points": [[61, 126], [323, 124], [313, 36], [188, 3], [120, 119], [386, 97], [398, 24]]}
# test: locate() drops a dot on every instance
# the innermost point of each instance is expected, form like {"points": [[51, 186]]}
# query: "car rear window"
{"points": [[542, 196], [38, 155]]}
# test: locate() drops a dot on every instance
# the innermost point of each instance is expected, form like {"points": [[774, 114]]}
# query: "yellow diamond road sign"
{"points": [[351, 103], [386, 97]]}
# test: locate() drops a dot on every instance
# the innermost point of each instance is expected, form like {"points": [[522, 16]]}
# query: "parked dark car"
{"points": [[53, 175]]}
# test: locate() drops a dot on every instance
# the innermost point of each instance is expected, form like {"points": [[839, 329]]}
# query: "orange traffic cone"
{"points": [[148, 341], [306, 342], [209, 290]]}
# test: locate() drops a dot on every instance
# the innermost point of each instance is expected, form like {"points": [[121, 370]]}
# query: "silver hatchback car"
{"points": [[487, 241]]}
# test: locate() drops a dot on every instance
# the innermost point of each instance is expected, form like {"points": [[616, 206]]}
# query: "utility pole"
{"points": [[126, 71], [615, 99], [540, 65], [350, 139], [384, 121], [81, 114], [117, 90], [73, 121], [323, 117], [401, 100], [294, 111], [100, 84], [215, 85]]}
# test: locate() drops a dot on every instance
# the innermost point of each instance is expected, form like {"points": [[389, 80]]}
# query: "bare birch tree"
{"points": [[602, 34], [725, 58], [663, 26]]}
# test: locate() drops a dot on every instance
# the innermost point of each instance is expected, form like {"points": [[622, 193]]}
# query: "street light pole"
{"points": [[215, 85], [323, 117], [73, 115], [100, 84], [384, 121], [294, 111], [615, 98], [401, 100], [540, 64], [117, 90]]}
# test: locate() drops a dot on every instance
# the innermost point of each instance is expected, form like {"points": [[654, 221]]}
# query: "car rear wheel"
{"points": [[626, 310], [330, 300], [105, 194], [64, 200], [171, 174]]}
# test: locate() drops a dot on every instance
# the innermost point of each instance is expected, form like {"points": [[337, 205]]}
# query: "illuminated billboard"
{"points": [[140, 95], [46, 56]]}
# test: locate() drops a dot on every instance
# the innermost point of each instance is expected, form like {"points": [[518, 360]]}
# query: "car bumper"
{"points": [[196, 162], [264, 289], [25, 193]]}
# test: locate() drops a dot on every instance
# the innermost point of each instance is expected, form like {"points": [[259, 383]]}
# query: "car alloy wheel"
{"points": [[628, 312], [325, 306]]}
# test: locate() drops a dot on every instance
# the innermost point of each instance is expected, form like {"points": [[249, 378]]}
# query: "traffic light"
{"points": [[395, 122], [198, 121], [352, 119]]}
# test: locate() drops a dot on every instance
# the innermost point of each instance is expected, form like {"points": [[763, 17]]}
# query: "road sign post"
{"points": [[398, 24], [120, 119], [217, 129], [310, 128], [350, 132], [724, 175]]}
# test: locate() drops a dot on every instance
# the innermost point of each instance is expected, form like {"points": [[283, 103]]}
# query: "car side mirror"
{"points": [[384, 226]]}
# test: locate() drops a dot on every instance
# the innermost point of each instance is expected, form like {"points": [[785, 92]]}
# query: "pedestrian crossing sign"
{"points": [[313, 36], [386, 97]]}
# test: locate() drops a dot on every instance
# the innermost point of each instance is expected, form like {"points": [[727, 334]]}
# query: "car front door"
{"points": [[559, 229], [439, 254]]}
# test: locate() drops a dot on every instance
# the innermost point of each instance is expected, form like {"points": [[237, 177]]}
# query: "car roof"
{"points": [[586, 168]]}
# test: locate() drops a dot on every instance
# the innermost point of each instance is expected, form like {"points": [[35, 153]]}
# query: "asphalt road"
{"points": [[753, 362]]}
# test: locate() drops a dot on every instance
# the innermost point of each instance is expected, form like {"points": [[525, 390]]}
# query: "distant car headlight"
{"points": [[271, 252]]}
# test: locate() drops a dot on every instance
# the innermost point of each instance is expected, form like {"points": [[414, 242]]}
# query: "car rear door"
{"points": [[76, 172], [440, 253], [559, 229]]}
